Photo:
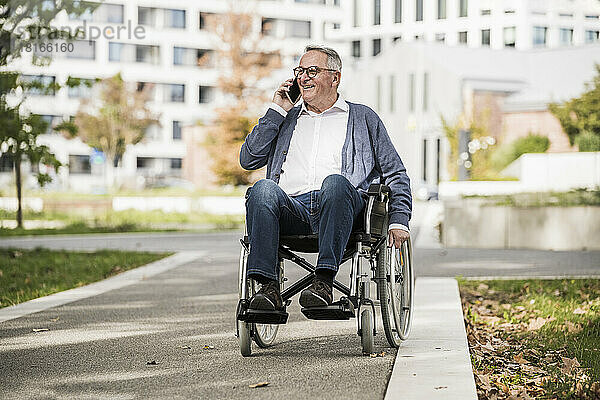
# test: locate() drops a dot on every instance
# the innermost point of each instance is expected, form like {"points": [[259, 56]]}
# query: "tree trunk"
{"points": [[109, 174], [19, 191]]}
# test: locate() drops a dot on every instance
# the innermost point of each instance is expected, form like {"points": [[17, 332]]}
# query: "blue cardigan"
{"points": [[368, 154]]}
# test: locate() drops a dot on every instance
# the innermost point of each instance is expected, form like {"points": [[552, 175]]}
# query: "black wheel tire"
{"points": [[366, 331]]}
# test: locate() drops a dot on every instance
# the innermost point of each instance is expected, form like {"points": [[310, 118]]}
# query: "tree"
{"points": [[245, 65], [23, 23], [117, 118], [580, 116]]}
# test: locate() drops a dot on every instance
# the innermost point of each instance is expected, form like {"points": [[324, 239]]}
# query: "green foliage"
{"points": [[28, 274], [507, 153], [587, 141], [573, 198], [581, 114]]}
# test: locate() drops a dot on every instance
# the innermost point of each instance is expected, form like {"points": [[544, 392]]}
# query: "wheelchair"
{"points": [[372, 260]]}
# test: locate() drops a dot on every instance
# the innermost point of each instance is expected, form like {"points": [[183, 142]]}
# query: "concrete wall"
{"points": [[473, 225]]}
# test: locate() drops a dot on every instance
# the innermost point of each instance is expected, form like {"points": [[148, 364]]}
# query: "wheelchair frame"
{"points": [[395, 286]]}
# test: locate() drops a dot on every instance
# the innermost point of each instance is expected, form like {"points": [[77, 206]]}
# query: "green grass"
{"points": [[28, 274], [571, 308], [577, 197]]}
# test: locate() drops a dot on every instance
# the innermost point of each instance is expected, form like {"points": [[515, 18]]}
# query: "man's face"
{"points": [[321, 88]]}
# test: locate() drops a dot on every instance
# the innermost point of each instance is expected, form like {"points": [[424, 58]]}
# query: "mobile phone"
{"points": [[294, 93]]}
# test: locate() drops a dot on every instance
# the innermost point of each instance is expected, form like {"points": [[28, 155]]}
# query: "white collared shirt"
{"points": [[315, 150]]}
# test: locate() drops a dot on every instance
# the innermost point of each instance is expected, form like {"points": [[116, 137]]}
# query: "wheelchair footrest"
{"points": [[260, 316], [340, 310]]}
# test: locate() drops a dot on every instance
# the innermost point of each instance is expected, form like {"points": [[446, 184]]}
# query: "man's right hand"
{"points": [[280, 97]]}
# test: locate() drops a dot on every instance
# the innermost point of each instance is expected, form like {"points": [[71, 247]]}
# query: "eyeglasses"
{"points": [[311, 71]]}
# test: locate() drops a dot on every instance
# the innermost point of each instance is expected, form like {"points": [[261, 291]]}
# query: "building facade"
{"points": [[167, 45]]}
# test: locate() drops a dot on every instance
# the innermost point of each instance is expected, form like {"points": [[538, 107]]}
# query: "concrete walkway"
{"points": [[433, 363]]}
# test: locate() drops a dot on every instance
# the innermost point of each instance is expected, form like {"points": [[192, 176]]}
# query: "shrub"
{"points": [[530, 144], [588, 141]]}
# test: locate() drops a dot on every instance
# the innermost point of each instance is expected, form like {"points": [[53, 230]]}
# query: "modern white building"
{"points": [[371, 26], [162, 43], [412, 85]]}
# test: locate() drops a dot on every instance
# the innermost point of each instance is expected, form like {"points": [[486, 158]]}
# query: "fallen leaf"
{"points": [[40, 329], [573, 328], [259, 384], [185, 347], [519, 359], [373, 355], [579, 311], [54, 319], [153, 362], [506, 306], [569, 364], [207, 347], [440, 387], [535, 324], [485, 381], [482, 287]]}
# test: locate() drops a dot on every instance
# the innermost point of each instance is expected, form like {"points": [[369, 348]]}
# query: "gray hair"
{"points": [[333, 58]]}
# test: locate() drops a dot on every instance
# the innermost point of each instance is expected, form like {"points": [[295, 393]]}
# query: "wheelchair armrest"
{"points": [[376, 189], [376, 215]]}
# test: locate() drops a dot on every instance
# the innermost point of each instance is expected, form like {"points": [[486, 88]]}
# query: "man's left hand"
{"points": [[396, 237]]}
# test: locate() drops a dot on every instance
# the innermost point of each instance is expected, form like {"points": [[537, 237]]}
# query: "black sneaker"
{"points": [[268, 298], [319, 294]]}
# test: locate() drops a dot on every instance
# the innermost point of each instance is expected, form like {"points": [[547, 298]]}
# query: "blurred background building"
{"points": [[414, 61]]}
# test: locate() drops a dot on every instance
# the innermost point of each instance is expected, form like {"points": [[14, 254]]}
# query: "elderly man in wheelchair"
{"points": [[337, 187]]}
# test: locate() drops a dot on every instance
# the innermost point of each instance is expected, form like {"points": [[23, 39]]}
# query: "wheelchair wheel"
{"points": [[244, 329], [367, 320], [263, 334], [396, 287]]}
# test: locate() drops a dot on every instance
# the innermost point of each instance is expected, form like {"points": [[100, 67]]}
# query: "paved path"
{"points": [[99, 346]]}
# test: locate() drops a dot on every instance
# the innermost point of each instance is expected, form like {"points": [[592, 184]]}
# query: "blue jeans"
{"points": [[330, 212]]}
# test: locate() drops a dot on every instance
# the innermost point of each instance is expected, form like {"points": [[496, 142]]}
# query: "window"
{"points": [[144, 162], [81, 91], [486, 12], [52, 121], [566, 36], [396, 39], [441, 9], [79, 164], [485, 37], [205, 94], [592, 36], [176, 130], [204, 19], [176, 163], [356, 48], [539, 35], [147, 87], [378, 92], [355, 13], [376, 46], [152, 132], [440, 37], [337, 25], [510, 35], [192, 57], [397, 11], [109, 13], [462, 37], [392, 93], [174, 18], [121, 52], [462, 8], [336, 3], [83, 49], [564, 15], [418, 10], [509, 11], [6, 163], [425, 91], [45, 82], [376, 12], [596, 16], [424, 160], [411, 92], [147, 16], [174, 92], [268, 27], [297, 29]]}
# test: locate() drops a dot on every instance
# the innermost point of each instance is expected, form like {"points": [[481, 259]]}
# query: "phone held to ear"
{"points": [[294, 93]]}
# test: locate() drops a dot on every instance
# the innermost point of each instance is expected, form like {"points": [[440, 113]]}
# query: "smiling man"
{"points": [[320, 156]]}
